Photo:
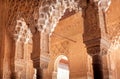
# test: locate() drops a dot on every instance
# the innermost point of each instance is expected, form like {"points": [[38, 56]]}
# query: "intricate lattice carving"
{"points": [[51, 12], [62, 48], [26, 9], [96, 50], [22, 32]]}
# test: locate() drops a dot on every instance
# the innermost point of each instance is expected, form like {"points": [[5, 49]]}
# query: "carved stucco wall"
{"points": [[23, 63], [29, 63]]}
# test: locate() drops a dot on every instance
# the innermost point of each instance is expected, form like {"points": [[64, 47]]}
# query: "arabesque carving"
{"points": [[115, 42], [51, 12], [25, 9], [96, 51], [22, 32], [41, 14], [114, 34], [61, 48]]}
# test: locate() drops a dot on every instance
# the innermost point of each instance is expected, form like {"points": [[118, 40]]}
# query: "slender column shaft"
{"points": [[39, 74], [97, 67]]}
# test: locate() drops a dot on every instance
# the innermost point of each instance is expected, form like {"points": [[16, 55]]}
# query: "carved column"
{"points": [[45, 49], [97, 67], [35, 56], [13, 73], [108, 73], [40, 53], [95, 36], [44, 53], [39, 73]]}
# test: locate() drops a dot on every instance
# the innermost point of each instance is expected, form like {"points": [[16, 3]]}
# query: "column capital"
{"points": [[95, 33], [96, 51], [97, 46], [40, 54], [44, 61]]}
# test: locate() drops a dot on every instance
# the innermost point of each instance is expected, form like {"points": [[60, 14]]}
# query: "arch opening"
{"points": [[61, 68]]}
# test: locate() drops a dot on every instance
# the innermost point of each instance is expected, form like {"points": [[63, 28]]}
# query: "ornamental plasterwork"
{"points": [[51, 12], [61, 48], [19, 50], [29, 9], [22, 32], [115, 42], [23, 8], [114, 33]]}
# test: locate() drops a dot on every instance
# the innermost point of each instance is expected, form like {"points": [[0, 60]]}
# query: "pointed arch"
{"points": [[51, 13]]}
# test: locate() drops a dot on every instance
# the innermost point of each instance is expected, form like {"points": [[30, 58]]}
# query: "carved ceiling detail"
{"points": [[25, 9], [39, 14], [42, 13]]}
